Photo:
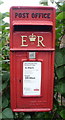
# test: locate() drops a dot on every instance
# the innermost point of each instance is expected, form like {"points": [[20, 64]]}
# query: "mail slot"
{"points": [[32, 46]]}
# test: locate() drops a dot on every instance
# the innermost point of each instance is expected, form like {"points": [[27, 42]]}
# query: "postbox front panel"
{"points": [[34, 81]]}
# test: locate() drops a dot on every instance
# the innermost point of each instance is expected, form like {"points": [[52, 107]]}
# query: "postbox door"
{"points": [[42, 99]]}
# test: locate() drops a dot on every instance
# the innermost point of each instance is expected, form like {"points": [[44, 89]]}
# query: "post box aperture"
{"points": [[32, 46]]}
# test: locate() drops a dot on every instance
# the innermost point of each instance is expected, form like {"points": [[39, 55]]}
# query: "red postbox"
{"points": [[32, 46]]}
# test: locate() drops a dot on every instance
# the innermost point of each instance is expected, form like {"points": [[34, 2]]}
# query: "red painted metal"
{"points": [[37, 23], [32, 22]]}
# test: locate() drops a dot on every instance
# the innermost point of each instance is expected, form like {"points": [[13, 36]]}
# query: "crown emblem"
{"points": [[32, 37]]}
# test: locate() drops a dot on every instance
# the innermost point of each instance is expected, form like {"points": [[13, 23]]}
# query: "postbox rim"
{"points": [[34, 7], [19, 22], [32, 46]]}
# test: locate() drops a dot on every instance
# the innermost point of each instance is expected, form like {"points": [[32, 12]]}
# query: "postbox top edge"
{"points": [[32, 7]]}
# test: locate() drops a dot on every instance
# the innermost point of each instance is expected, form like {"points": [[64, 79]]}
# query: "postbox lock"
{"points": [[32, 55]]}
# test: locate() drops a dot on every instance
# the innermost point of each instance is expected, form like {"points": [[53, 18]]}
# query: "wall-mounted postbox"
{"points": [[32, 46]]}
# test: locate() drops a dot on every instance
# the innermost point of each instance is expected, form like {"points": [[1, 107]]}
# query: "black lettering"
{"points": [[27, 15], [49, 15], [39, 15], [45, 15], [36, 15], [20, 15], [23, 15], [16, 14], [33, 15]]}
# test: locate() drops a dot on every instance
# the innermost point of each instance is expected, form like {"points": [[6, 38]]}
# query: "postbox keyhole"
{"points": [[32, 55], [20, 81]]}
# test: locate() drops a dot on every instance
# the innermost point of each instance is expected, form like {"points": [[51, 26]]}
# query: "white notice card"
{"points": [[31, 78]]}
